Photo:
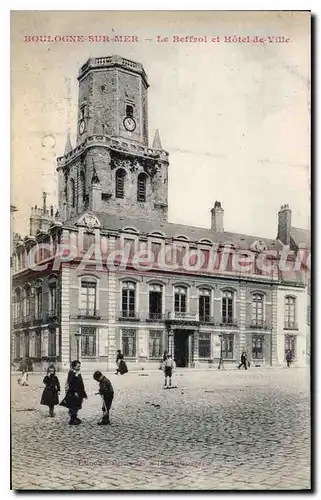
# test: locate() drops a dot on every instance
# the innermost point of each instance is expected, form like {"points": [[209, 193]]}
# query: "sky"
{"points": [[234, 116]]}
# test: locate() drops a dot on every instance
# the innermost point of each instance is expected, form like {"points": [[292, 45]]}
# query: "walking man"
{"points": [[288, 358], [243, 360]]}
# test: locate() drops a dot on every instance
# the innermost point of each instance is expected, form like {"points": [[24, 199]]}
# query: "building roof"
{"points": [[172, 230], [300, 237]]}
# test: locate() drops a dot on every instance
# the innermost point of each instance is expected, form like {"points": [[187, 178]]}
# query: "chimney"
{"points": [[217, 218], [95, 192], [284, 225]]}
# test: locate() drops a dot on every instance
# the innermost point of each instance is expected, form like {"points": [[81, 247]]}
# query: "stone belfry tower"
{"points": [[130, 178]]}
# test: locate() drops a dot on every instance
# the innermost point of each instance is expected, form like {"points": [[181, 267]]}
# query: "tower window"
{"points": [[73, 193], [129, 110], [141, 187], [82, 187], [120, 183]]}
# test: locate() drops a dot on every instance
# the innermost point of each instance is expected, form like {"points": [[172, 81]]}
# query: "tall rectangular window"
{"points": [[38, 302], [257, 310], [227, 307], [156, 343], [88, 297], [290, 303], [155, 301], [204, 305], [88, 240], [88, 341], [52, 343], [38, 345], [26, 345], [17, 346], [52, 299], [227, 346], [128, 299], [290, 345], [180, 300], [257, 346], [129, 343], [204, 346]]}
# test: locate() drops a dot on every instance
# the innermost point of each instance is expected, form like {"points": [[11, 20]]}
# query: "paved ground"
{"points": [[217, 430]]}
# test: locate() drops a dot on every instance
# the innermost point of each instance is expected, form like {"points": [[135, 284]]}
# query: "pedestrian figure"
{"points": [[243, 360], [168, 366], [23, 380], [164, 358], [51, 391], [288, 358], [121, 365], [107, 394], [75, 393]]}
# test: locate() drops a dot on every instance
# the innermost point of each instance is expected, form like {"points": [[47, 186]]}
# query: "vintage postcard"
{"points": [[160, 257]]}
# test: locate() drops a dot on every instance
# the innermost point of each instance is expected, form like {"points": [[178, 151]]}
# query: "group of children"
{"points": [[75, 393], [75, 390]]}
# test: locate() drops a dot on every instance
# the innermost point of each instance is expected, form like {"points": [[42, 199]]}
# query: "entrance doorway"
{"points": [[181, 348]]}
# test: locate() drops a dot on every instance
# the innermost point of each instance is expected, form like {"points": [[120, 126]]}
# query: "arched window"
{"points": [[180, 300], [73, 193], [17, 299], [228, 307], [120, 183], [289, 309], [82, 187], [38, 297], [204, 304], [257, 310], [27, 302], [128, 299], [141, 187]]}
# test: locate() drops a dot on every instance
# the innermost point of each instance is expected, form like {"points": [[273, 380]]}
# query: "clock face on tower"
{"points": [[82, 126], [129, 124]]}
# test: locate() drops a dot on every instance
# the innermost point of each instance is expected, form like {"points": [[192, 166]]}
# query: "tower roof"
{"points": [[110, 61], [157, 142]]}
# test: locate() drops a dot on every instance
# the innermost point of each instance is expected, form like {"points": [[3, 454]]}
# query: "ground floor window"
{"points": [[204, 345], [129, 342], [88, 341], [26, 346], [156, 347], [52, 343], [227, 346], [257, 346], [38, 345], [17, 346], [290, 345]]}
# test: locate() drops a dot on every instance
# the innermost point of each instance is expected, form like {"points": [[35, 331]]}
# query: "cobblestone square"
{"points": [[217, 430]]}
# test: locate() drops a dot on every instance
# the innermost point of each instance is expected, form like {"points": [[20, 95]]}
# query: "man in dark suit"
{"points": [[75, 393]]}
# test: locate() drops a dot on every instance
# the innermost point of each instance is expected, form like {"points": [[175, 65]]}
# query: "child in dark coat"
{"points": [[107, 393], [51, 391], [75, 393]]}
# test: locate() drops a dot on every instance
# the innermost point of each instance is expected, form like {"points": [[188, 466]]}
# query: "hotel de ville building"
{"points": [[113, 194]]}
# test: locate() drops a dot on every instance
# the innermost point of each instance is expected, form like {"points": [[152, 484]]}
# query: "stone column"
{"points": [[112, 309], [171, 342], [242, 324], [44, 343], [275, 338], [57, 342], [65, 314], [195, 348]]}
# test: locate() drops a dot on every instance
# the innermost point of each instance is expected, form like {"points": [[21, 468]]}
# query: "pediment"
{"points": [[90, 221]]}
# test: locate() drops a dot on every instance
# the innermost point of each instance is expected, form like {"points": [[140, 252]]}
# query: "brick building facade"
{"points": [[113, 195]]}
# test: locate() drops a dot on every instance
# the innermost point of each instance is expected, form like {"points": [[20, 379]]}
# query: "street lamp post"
{"points": [[78, 335], [221, 364]]}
